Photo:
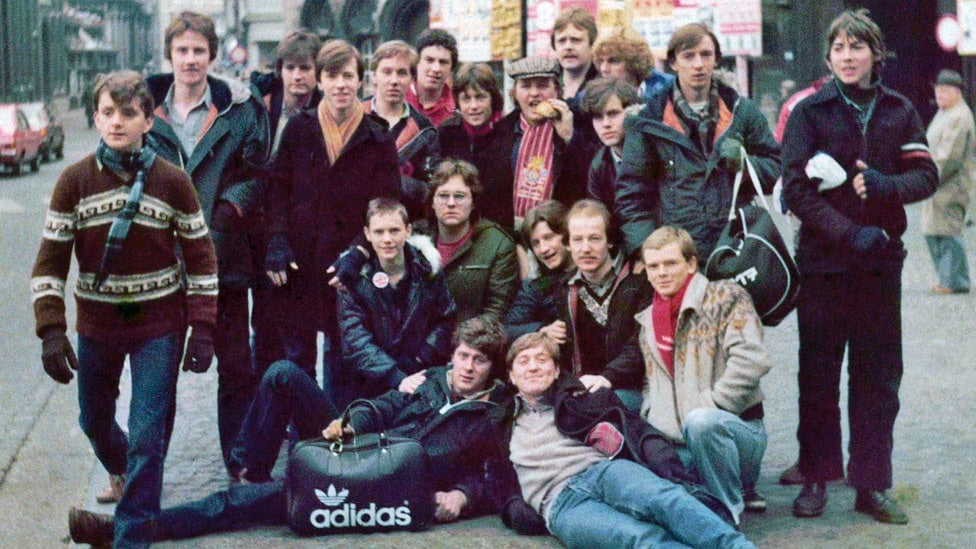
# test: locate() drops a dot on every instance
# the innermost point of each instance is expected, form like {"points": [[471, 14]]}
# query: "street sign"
{"points": [[966, 13]]}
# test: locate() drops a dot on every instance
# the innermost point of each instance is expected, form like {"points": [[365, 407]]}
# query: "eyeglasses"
{"points": [[459, 198]]}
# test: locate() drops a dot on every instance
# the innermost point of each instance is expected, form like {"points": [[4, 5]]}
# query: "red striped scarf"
{"points": [[533, 172]]}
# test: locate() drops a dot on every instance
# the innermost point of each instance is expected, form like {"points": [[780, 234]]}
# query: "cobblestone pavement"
{"points": [[934, 455]]}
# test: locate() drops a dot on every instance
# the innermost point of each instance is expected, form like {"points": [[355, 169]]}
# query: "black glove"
{"points": [[517, 515], [199, 350], [57, 355], [866, 239], [409, 366], [730, 152], [661, 457], [348, 265], [279, 254], [879, 186]]}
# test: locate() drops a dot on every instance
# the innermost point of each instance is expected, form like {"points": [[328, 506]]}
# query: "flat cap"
{"points": [[531, 67], [949, 77]]}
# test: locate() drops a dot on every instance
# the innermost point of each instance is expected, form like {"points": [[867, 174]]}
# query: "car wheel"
{"points": [[47, 155], [17, 166], [35, 164], [59, 154]]}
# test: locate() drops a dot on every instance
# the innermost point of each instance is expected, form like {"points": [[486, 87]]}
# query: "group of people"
{"points": [[521, 292]]}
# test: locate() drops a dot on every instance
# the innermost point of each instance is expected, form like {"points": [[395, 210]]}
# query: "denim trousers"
{"points": [[240, 506], [859, 311], [725, 452], [285, 395], [154, 366], [949, 258], [621, 504]]}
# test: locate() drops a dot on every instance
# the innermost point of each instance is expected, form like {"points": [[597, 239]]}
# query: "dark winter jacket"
{"points": [[664, 178], [272, 92], [483, 274], [601, 182], [490, 154], [225, 166], [320, 208], [634, 293], [894, 145], [381, 347], [536, 305], [458, 437], [416, 168]]}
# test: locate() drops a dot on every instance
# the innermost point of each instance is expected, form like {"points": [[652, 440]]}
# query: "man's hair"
{"points": [[859, 25], [439, 37], [124, 86], [530, 340], [689, 36], [478, 76], [487, 336], [334, 55], [599, 91], [663, 236], [191, 21], [631, 48], [391, 49], [590, 208], [385, 205], [445, 171], [579, 18], [297, 45], [553, 212]]}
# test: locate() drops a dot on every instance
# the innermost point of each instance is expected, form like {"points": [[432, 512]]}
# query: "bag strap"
{"points": [[745, 165], [336, 446]]}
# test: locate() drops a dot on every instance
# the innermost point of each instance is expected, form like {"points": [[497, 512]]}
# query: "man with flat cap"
{"points": [[952, 142]]}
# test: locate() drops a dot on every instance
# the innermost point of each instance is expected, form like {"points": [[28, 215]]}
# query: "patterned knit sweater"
{"points": [[143, 297]]}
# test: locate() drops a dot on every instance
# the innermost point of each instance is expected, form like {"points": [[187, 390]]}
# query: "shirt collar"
{"points": [[206, 100], [618, 265]]}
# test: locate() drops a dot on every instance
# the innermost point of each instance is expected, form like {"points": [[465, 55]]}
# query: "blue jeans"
{"points": [[154, 365], [949, 257], [286, 395], [239, 506], [725, 452], [622, 504]]}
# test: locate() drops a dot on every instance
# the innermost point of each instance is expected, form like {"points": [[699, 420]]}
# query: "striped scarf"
{"points": [[533, 172], [337, 136]]}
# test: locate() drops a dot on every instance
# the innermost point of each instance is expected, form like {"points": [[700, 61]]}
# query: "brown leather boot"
{"points": [[91, 528]]}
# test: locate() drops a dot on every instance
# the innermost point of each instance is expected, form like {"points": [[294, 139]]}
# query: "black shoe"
{"points": [[881, 507], [811, 501], [754, 502], [91, 528]]}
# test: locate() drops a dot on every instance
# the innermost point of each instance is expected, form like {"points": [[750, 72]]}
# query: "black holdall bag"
{"points": [[752, 253], [370, 483]]}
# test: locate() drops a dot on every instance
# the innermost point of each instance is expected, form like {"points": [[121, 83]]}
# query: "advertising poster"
{"points": [[736, 23]]}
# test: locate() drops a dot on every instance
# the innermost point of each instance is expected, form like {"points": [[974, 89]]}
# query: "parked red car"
{"points": [[40, 119], [18, 143]]}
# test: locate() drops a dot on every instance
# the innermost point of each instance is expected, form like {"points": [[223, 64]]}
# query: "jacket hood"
{"points": [[424, 245], [224, 91]]}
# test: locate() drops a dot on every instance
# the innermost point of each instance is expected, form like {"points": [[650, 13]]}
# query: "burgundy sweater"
{"points": [[143, 296]]}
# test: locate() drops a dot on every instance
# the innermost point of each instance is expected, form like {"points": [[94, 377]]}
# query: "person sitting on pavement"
{"points": [[536, 303], [396, 320], [597, 473], [449, 412], [477, 255], [393, 67], [130, 300], [607, 101], [701, 344], [596, 307]]}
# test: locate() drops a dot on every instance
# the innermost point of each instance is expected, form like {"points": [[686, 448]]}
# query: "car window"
{"points": [[8, 123], [22, 121]]}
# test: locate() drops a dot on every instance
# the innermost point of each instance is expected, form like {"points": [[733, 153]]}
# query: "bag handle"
{"points": [[336, 446], [745, 164]]}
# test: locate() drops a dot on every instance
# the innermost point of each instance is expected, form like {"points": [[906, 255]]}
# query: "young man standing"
{"points": [[431, 93], [683, 149], [573, 34], [217, 131], [131, 302], [451, 413], [393, 65], [850, 257], [626, 56], [702, 346]]}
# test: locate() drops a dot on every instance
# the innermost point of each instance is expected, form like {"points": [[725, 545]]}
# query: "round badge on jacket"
{"points": [[381, 280]]}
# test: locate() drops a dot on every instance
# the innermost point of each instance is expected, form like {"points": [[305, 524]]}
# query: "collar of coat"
{"points": [[225, 92], [420, 256]]}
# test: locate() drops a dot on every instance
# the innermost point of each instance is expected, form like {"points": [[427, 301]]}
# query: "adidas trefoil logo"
{"points": [[331, 497]]}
